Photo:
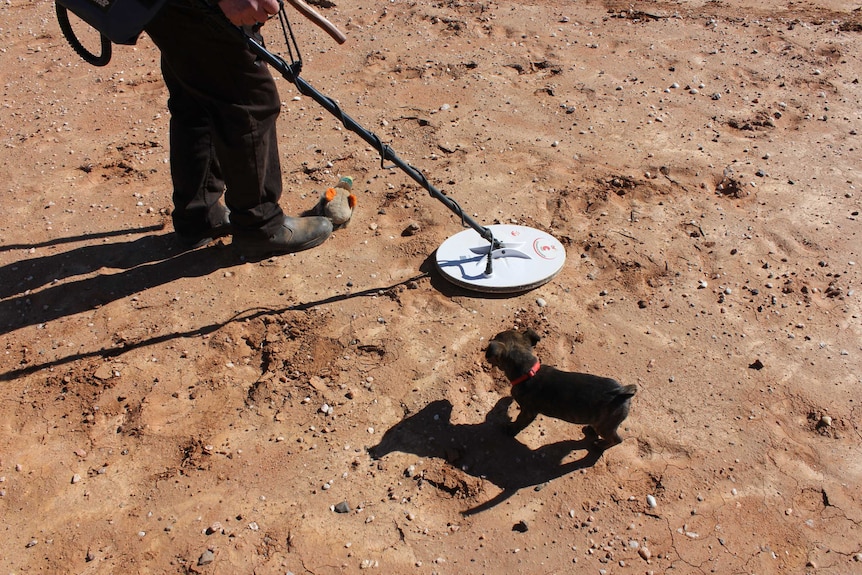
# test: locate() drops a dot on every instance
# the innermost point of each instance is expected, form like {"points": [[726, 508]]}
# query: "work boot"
{"points": [[219, 227], [294, 235]]}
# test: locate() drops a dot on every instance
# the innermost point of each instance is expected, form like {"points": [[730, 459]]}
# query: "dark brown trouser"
{"points": [[224, 105]]}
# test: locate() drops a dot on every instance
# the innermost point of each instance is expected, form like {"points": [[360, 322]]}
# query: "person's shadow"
{"points": [[32, 293], [484, 450]]}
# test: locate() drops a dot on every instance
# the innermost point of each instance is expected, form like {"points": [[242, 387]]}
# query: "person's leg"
{"points": [[224, 104], [195, 172]]}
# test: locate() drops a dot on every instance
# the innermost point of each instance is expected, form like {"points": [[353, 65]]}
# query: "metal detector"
{"points": [[497, 258]]}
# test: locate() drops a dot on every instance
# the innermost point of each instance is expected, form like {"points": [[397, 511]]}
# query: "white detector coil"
{"points": [[526, 259]]}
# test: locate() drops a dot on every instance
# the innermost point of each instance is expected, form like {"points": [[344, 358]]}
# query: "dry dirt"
{"points": [[163, 412]]}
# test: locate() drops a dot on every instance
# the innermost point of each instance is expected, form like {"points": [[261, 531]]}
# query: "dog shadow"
{"points": [[484, 450]]}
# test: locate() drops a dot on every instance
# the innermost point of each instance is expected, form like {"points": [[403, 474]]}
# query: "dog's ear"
{"points": [[495, 350], [532, 336]]}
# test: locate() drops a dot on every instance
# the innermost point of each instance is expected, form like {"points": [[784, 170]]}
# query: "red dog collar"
{"points": [[527, 375]]}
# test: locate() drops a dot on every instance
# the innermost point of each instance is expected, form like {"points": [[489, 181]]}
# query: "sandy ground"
{"points": [[165, 411]]}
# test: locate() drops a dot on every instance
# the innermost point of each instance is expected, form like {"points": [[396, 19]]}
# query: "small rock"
{"points": [[520, 526], [104, 371], [214, 528], [76, 479], [651, 501], [756, 364], [31, 543], [206, 558], [825, 421], [412, 229], [541, 302], [342, 507], [645, 553]]}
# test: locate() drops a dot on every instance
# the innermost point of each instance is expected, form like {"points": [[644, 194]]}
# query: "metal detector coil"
{"points": [[525, 259]]}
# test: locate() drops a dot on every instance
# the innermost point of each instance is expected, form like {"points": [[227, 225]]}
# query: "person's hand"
{"points": [[248, 12]]}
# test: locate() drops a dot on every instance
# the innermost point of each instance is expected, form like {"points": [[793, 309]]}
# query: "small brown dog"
{"points": [[600, 402]]}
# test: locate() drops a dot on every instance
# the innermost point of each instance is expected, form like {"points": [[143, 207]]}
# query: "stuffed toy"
{"points": [[337, 203]]}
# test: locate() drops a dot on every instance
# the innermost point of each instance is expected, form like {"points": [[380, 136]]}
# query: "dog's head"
{"points": [[512, 350]]}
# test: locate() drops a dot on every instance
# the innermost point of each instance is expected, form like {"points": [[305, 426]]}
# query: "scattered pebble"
{"points": [[412, 229], [541, 302], [756, 364], [651, 501], [206, 558], [214, 528], [342, 507]]}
